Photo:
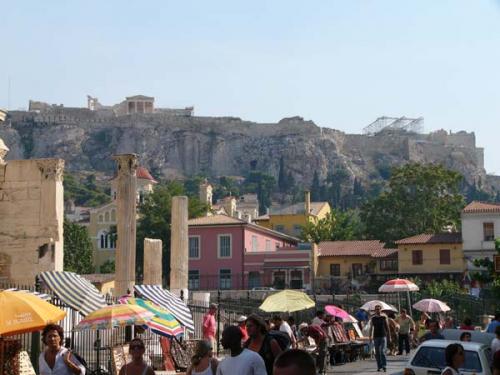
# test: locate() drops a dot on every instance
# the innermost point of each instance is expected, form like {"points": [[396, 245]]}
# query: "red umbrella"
{"points": [[398, 285]]}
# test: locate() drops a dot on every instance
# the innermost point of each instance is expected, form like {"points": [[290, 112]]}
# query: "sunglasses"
{"points": [[136, 347]]}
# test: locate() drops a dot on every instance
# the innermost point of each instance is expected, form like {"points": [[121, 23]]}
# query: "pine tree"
{"points": [[315, 188]]}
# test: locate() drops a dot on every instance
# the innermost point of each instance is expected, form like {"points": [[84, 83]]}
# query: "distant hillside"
{"points": [[180, 146]]}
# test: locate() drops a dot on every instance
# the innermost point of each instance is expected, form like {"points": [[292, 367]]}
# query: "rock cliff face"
{"points": [[182, 146]]}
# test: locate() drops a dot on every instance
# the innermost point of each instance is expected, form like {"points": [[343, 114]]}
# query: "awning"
{"points": [[74, 291], [169, 301], [43, 296]]}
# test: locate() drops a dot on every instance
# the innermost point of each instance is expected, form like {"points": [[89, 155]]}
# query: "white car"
{"points": [[428, 358]]}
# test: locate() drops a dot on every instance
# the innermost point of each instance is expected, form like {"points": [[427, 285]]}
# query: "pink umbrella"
{"points": [[398, 285], [336, 311], [431, 306]]}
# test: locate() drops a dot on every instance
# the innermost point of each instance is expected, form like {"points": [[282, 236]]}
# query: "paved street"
{"points": [[395, 365]]}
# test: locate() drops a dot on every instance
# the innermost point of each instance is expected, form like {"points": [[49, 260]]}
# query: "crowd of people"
{"points": [[256, 346]]}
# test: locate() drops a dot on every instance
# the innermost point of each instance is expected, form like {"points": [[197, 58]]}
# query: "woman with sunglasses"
{"points": [[137, 366], [455, 358]]}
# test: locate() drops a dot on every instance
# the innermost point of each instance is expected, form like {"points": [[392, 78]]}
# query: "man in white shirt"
{"points": [[283, 326], [319, 320], [242, 361]]}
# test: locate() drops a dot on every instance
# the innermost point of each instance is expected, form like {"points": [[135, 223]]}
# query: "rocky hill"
{"points": [[177, 146]]}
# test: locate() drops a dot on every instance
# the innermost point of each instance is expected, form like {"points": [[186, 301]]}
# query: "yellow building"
{"points": [[291, 219], [428, 255], [353, 261]]}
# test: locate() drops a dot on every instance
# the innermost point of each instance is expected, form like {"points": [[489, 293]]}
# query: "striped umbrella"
{"points": [[43, 296], [74, 291], [114, 316], [398, 285], [169, 301], [163, 322]]}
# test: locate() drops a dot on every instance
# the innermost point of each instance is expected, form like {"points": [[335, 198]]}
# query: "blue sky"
{"points": [[339, 63]]}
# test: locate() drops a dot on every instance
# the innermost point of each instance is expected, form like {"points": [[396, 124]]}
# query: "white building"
{"points": [[480, 227]]}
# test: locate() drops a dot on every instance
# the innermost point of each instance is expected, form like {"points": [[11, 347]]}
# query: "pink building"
{"points": [[229, 253]]}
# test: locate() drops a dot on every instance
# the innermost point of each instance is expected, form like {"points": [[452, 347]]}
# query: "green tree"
{"points": [[85, 193], [489, 276], [77, 249], [421, 198], [336, 226], [155, 219], [315, 188], [264, 185], [107, 267]]}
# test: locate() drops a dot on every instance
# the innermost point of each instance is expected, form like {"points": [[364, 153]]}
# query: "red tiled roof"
{"points": [[144, 174], [481, 207], [221, 219], [215, 220], [425, 238], [372, 248]]}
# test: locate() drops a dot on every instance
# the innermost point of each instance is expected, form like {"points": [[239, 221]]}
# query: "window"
{"points": [[279, 279], [194, 247], [389, 265], [334, 269], [444, 256], [113, 215], [357, 269], [296, 281], [297, 229], [225, 246], [277, 245], [253, 279], [194, 280], [268, 245], [100, 218], [254, 243], [225, 279], [417, 257], [112, 240], [489, 231], [280, 228], [106, 217]]}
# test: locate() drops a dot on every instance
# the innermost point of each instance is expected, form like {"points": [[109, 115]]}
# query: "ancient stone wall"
{"points": [[178, 146], [31, 219]]}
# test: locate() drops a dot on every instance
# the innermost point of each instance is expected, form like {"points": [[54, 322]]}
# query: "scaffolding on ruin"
{"points": [[415, 125]]}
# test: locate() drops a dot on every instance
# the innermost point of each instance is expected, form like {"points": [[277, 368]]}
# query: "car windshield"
{"points": [[428, 356]]}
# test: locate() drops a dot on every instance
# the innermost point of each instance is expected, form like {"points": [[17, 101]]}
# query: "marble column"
{"points": [[152, 262], [179, 247], [126, 199]]}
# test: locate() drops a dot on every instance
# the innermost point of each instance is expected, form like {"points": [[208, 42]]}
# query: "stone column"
{"points": [[179, 247], [153, 274], [126, 186]]}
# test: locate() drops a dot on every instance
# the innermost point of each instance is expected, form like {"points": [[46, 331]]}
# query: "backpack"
{"points": [[281, 337]]}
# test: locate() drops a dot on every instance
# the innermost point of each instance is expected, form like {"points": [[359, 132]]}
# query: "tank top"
{"points": [[207, 371], [453, 371]]}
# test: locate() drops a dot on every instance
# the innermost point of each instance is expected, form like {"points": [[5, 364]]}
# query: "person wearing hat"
{"points": [[242, 320], [209, 326]]}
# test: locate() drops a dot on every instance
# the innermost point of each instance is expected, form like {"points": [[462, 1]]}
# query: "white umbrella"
{"points": [[431, 306], [370, 306], [399, 285]]}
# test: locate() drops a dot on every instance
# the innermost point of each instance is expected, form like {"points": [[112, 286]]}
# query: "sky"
{"points": [[341, 64]]}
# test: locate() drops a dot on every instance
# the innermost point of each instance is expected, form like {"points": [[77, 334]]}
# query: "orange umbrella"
{"points": [[24, 312]]}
